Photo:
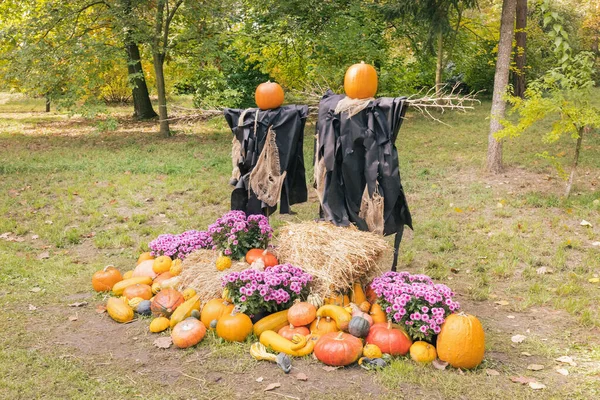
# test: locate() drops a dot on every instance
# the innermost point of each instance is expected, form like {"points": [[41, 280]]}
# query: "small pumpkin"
{"points": [[321, 326], [422, 352], [268, 95], [269, 260], [138, 290], [365, 306], [359, 327], [390, 339], [290, 330], [105, 279], [163, 277], [188, 333], [461, 342], [166, 302], [144, 256], [118, 310], [159, 324], [377, 313], [234, 327], [162, 264], [360, 81], [223, 263], [188, 292], [301, 313], [176, 267], [144, 269], [372, 351], [338, 349], [213, 310], [144, 307]]}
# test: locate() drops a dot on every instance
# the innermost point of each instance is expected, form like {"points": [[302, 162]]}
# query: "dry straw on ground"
{"points": [[335, 256]]}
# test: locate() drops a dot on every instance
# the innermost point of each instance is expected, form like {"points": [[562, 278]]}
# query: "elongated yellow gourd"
{"points": [[280, 344], [358, 295], [273, 322], [119, 287], [185, 310], [118, 310], [338, 314]]}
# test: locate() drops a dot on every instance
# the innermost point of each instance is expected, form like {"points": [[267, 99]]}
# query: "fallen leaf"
{"points": [[492, 372], [523, 380], [567, 360], [501, 303], [272, 386], [585, 223], [518, 338], [535, 367], [544, 271], [260, 379], [73, 318], [100, 309], [458, 210], [301, 377], [439, 364], [48, 222], [526, 354], [35, 237], [163, 342], [31, 307], [35, 289], [510, 316], [537, 385], [595, 243], [594, 280], [562, 371], [78, 304], [499, 205], [329, 368]]}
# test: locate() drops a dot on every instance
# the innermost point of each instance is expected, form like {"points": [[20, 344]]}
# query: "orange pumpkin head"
{"points": [[165, 302], [360, 81], [338, 349], [461, 342], [187, 333], [268, 95], [302, 313], [138, 290], [105, 279]]}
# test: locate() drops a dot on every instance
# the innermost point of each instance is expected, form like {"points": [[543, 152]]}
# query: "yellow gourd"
{"points": [[118, 310], [338, 314], [188, 293], [273, 322], [176, 267], [280, 344], [159, 324], [185, 310]]}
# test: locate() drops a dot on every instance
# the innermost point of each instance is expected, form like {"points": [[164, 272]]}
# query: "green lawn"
{"points": [[77, 197]]}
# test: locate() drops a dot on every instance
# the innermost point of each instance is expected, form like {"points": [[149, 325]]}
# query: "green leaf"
{"points": [[547, 20]]}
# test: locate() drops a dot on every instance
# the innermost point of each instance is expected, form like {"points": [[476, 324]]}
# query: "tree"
{"points": [[494, 154], [520, 51]]}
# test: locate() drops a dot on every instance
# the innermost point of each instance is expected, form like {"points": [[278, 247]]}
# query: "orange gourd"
{"points": [[162, 264], [138, 290], [321, 326], [105, 279], [358, 295], [290, 330], [422, 352], [268, 95], [360, 81], [461, 342], [377, 314], [213, 310], [144, 256], [301, 313], [187, 333], [268, 259], [234, 327], [338, 349], [166, 302]]}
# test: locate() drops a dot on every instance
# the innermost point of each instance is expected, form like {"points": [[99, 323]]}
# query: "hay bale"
{"points": [[199, 272], [336, 256]]}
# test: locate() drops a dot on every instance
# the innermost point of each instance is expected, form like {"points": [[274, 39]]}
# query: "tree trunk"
{"points": [[521, 39], [575, 161], [494, 154], [47, 104], [142, 106], [439, 63], [162, 96]]}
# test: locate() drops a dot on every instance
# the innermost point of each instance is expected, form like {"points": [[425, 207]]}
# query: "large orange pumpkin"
{"points": [[187, 333], [360, 81], [302, 313], [234, 326], [138, 290], [390, 339], [105, 279], [268, 95], [338, 349], [461, 342], [165, 302], [268, 259], [213, 310]]}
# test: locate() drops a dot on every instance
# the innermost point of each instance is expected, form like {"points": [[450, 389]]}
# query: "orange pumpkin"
{"points": [[162, 264], [338, 349], [165, 302], [144, 256], [461, 342], [268, 259], [138, 290], [268, 95], [187, 333], [290, 330], [234, 327], [321, 326], [144, 269], [163, 277], [302, 313], [213, 310], [389, 338], [105, 279], [422, 352], [377, 314], [365, 306], [360, 81]]}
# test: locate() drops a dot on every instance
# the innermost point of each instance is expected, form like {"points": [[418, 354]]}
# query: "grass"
{"points": [[91, 198]]}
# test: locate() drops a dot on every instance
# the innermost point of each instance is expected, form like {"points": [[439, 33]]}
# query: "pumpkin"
{"points": [[162, 264], [159, 324], [360, 81], [144, 269], [163, 277], [138, 290], [315, 300], [118, 310], [371, 295], [188, 292], [134, 302], [144, 256], [128, 274], [290, 330], [268, 259], [176, 267], [185, 310], [338, 349], [188, 333], [170, 283], [301, 313], [223, 263], [213, 310], [461, 342], [120, 287], [372, 351], [144, 307], [358, 295], [273, 322], [195, 314], [105, 279], [359, 327], [166, 301], [390, 339], [377, 314], [422, 352], [338, 314], [357, 312], [234, 327], [298, 347], [268, 95], [365, 306], [321, 326]]}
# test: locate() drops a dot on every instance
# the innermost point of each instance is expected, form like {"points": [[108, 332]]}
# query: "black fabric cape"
{"points": [[358, 151], [288, 123]]}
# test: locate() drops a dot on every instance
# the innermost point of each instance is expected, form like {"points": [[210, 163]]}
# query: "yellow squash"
{"points": [[159, 324], [338, 314], [273, 322], [278, 343], [119, 287], [119, 310], [358, 295], [185, 310]]}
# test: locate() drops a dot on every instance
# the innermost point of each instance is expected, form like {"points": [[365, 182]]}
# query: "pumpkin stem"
{"points": [[108, 266], [339, 336], [389, 326]]}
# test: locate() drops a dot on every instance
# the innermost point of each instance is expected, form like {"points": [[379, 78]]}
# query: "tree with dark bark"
{"points": [[521, 42]]}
